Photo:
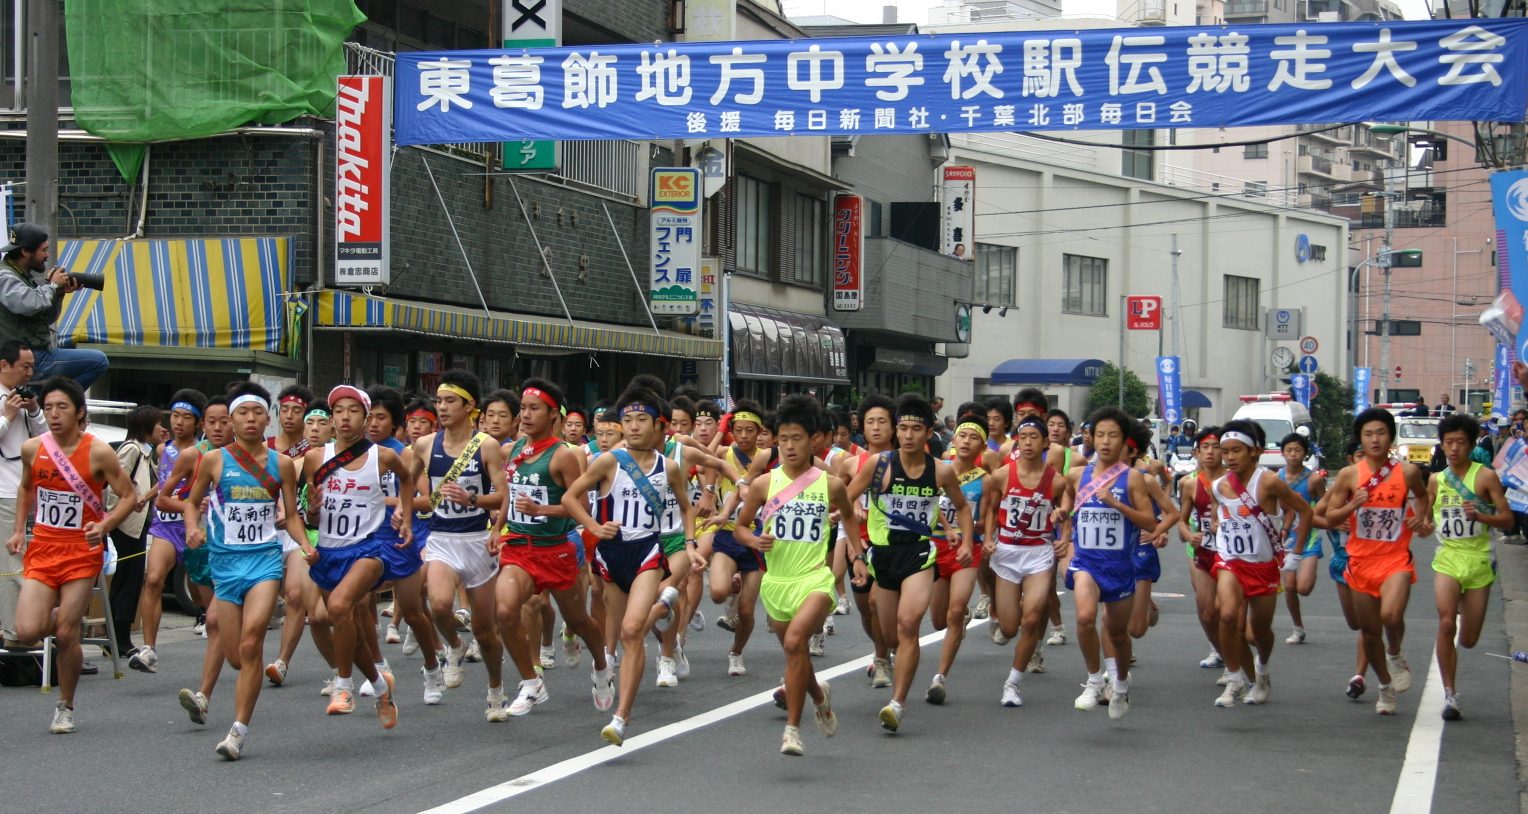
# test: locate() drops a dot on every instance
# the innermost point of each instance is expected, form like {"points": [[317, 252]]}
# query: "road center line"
{"points": [[1419, 772], [636, 743]]}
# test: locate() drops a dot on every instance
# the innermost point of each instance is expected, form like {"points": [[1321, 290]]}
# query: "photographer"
{"points": [[32, 297], [20, 419]]}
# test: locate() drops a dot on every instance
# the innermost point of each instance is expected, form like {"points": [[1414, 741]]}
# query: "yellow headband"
{"points": [[747, 416], [464, 396], [972, 425]]}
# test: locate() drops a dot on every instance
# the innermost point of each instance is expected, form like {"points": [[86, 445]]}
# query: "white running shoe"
{"points": [[814, 645], [1225, 677], [1297, 637], [681, 664], [63, 720], [548, 657], [1057, 636], [393, 636], [1092, 691], [614, 732], [603, 690], [997, 634], [195, 705], [434, 685], [1212, 661], [1385, 704], [697, 621], [827, 721], [1235, 687], [828, 628], [1451, 710], [275, 672], [667, 597], [1119, 705], [532, 692], [463, 620], [880, 674], [843, 606], [453, 666], [328, 688], [474, 652], [232, 745], [1260, 690], [891, 717], [790, 742], [497, 710], [144, 660], [1400, 673], [983, 608], [666, 672], [572, 648], [1037, 662], [735, 666], [936, 690], [367, 690], [410, 644], [1011, 696], [613, 658]]}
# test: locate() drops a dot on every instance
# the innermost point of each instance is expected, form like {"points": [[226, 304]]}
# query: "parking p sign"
{"points": [[1143, 313]]}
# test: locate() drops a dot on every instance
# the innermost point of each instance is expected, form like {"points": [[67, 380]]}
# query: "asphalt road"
{"points": [[1310, 749]]}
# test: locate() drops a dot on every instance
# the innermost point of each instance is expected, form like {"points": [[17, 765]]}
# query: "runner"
{"points": [[466, 478], [735, 568], [167, 534], [1197, 528], [636, 486], [1248, 545], [791, 505], [250, 484], [877, 424], [420, 419], [1059, 426], [1301, 559], [1029, 505], [292, 407], [63, 473], [903, 487], [951, 599], [1384, 502], [535, 553], [1148, 564], [1468, 501], [1110, 512], [1337, 568]]}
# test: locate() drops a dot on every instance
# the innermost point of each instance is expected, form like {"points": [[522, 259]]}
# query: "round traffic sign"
{"points": [[1308, 345], [1283, 357], [1308, 364]]}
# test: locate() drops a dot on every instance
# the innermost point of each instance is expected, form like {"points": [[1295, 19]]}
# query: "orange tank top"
{"points": [[61, 514], [1379, 527]]}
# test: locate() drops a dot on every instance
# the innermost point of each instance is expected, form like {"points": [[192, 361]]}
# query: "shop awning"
{"points": [[351, 311], [768, 343], [1080, 372], [194, 293], [901, 360], [1195, 400]]}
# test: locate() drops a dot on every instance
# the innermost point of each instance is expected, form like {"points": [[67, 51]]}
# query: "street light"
{"points": [[1385, 131]]}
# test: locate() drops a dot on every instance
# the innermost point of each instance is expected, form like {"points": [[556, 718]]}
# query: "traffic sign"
{"points": [[1144, 313], [1308, 345], [1308, 364], [1283, 324], [1397, 372], [1282, 358]]}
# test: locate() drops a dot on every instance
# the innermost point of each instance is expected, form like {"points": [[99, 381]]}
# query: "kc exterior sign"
{"points": [[362, 124], [674, 201], [1104, 79]]}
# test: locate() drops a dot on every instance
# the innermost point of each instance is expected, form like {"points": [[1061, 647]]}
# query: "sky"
{"points": [[916, 11]]}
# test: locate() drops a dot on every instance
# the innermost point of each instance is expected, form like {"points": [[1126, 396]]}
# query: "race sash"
{"points": [[1304, 476], [457, 467], [1099, 482], [742, 459], [258, 472], [527, 450], [789, 493], [1379, 477], [72, 475], [340, 460], [298, 449], [904, 522], [1044, 490], [628, 464], [1251, 507], [1465, 492]]}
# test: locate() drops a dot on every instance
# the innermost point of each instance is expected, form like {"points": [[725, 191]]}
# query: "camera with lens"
{"points": [[26, 392], [85, 279]]}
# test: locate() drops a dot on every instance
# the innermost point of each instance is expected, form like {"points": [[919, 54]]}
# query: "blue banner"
{"points": [[1170, 388], [1501, 389], [1299, 388], [1509, 200], [1104, 79], [1360, 389]]}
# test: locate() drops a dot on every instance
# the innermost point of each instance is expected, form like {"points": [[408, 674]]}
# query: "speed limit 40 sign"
{"points": [[1308, 345]]}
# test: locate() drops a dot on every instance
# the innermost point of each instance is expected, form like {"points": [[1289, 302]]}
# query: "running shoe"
{"points": [[997, 633], [474, 652], [843, 606], [1011, 696], [1260, 690], [827, 721], [532, 692], [232, 745], [891, 716], [1119, 705], [1451, 707], [1037, 662], [828, 628], [275, 672], [453, 667], [790, 743], [387, 710], [1355, 687], [1385, 704], [63, 720], [814, 645], [936, 693], [1092, 691], [613, 658], [735, 666], [1297, 637], [144, 660], [1057, 637], [341, 702], [548, 657], [1225, 677], [434, 685], [463, 620], [388, 611], [880, 674], [410, 644], [195, 705], [393, 636], [1235, 687], [727, 623], [603, 690], [1212, 661], [666, 672], [681, 663], [572, 648], [614, 732], [697, 621], [497, 710], [983, 608], [1400, 673], [199, 627], [367, 690], [667, 597], [778, 696]]}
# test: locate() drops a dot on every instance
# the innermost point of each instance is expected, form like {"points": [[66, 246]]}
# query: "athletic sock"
{"points": [[240, 728], [382, 668], [346, 684], [1111, 666], [1015, 676], [1260, 666], [1240, 675], [1121, 686], [1096, 678]]}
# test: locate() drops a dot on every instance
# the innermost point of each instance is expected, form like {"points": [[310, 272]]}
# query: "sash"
{"points": [[1379, 477], [905, 522], [528, 449], [1465, 492], [1304, 476], [1046, 487], [1251, 507], [258, 472], [340, 460], [457, 466], [789, 493], [628, 464], [742, 459], [1099, 481], [72, 475], [298, 449]]}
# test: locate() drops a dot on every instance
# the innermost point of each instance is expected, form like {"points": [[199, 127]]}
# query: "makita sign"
{"points": [[362, 136]]}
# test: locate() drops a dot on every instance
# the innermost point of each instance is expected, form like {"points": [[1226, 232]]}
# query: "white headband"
{"points": [[248, 398], [1233, 435]]}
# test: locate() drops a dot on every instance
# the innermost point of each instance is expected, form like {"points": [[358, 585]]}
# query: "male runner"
{"points": [[1197, 528], [1059, 427], [1301, 557], [735, 568], [62, 474], [952, 590], [878, 428]]}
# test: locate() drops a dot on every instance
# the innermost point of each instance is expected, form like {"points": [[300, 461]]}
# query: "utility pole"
{"points": [[42, 113], [1121, 369], [1386, 259], [1177, 306]]}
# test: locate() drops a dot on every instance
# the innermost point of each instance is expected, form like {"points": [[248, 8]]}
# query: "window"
{"points": [[1255, 189], [1137, 163], [811, 241], [1255, 151], [996, 269], [755, 244], [1086, 287], [1241, 302]]}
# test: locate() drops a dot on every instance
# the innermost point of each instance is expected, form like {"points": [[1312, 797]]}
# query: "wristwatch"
{"points": [[691, 542], [863, 556]]}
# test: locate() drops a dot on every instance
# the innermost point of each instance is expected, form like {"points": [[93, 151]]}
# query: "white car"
{"points": [[1278, 415]]}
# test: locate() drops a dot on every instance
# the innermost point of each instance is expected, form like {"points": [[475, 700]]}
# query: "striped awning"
{"points": [[192, 293], [346, 310]]}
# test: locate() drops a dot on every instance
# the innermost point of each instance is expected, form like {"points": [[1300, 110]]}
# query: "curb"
{"points": [[1512, 570]]}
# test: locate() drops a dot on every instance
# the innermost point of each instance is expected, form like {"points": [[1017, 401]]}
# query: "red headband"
{"points": [[1210, 438], [1031, 405], [294, 399], [423, 413], [542, 396]]}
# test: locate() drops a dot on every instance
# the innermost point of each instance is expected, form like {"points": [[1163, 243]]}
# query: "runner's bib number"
{"points": [[799, 522], [168, 517], [450, 509], [1453, 525], [1015, 508], [342, 517], [60, 510], [632, 512], [1236, 538], [919, 510], [1381, 525], [1101, 529], [537, 494], [248, 523]]}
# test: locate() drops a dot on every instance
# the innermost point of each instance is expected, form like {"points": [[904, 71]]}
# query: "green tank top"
{"points": [[1454, 529], [801, 529], [913, 501], [534, 480]]}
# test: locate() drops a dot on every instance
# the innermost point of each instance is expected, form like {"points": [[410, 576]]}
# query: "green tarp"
{"points": [[161, 70]]}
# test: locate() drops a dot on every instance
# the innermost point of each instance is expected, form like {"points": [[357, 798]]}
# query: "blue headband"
{"points": [[639, 407], [187, 407]]}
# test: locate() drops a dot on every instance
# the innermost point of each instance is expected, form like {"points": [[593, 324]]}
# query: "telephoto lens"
{"points": [[88, 280]]}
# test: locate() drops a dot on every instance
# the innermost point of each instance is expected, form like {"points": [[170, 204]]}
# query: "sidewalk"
{"points": [[1512, 569]]}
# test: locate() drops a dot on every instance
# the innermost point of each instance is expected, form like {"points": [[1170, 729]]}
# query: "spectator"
{"points": [[31, 298], [1420, 408], [1444, 407], [20, 419], [137, 456]]}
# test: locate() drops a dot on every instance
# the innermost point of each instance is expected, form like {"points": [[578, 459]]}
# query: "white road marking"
{"points": [[1419, 773], [636, 743]]}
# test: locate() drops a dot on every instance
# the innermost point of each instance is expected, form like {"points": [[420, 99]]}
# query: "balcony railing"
{"points": [[1246, 8]]}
